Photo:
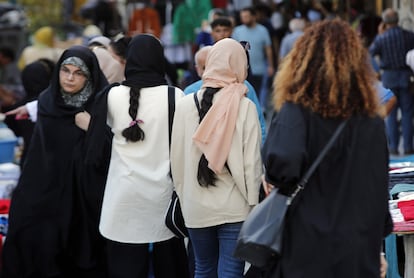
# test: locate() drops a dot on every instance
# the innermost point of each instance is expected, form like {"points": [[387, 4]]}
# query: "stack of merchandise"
{"points": [[401, 171], [402, 211], [401, 184], [9, 176]]}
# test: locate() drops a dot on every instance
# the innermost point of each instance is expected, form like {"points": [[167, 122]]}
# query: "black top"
{"points": [[55, 208], [336, 225]]}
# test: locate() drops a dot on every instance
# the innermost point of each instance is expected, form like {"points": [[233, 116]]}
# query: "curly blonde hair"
{"points": [[329, 72]]}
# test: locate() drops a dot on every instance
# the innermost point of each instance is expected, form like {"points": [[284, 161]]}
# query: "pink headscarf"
{"points": [[226, 68]]}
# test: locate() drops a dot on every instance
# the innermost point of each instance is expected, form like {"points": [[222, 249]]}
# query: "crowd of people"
{"points": [[100, 162]]}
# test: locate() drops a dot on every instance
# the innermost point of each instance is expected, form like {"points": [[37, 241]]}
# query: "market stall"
{"points": [[401, 183]]}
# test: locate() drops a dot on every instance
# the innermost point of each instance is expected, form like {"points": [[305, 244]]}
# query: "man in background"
{"points": [[296, 26], [261, 57], [391, 46]]}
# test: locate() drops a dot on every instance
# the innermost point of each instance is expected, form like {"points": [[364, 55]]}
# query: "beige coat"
{"points": [[231, 199]]}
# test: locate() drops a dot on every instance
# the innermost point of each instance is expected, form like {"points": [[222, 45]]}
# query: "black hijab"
{"points": [[36, 77], [51, 102], [58, 196], [145, 66]]}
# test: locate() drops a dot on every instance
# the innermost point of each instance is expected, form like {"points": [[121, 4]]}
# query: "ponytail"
{"points": [[205, 175], [134, 132]]}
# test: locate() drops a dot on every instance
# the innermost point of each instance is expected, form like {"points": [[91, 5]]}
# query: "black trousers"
{"points": [[127, 260]]}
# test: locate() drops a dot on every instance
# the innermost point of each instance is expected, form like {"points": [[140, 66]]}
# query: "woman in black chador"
{"points": [[54, 215]]}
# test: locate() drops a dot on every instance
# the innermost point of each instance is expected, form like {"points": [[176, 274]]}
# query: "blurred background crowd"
{"points": [[42, 29], [180, 24]]}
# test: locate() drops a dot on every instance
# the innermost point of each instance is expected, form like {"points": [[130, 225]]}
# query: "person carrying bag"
{"points": [[336, 224], [260, 238]]}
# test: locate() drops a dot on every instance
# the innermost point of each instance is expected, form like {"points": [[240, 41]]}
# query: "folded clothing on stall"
{"points": [[407, 209], [400, 178], [4, 219], [406, 226], [402, 196]]}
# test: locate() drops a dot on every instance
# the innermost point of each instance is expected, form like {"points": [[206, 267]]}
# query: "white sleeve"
{"points": [[32, 110], [409, 59]]}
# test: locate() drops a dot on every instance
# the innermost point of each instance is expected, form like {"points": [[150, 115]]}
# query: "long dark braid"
{"points": [[205, 175], [134, 132]]}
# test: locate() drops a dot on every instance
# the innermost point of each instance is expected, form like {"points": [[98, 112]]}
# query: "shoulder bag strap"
{"points": [[301, 185], [197, 103], [171, 110]]}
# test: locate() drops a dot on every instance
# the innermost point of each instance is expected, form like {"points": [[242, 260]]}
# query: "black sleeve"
{"points": [[284, 151], [99, 135]]}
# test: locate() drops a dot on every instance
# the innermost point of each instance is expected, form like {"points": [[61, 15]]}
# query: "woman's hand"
{"points": [[20, 113], [82, 120], [267, 186], [384, 265]]}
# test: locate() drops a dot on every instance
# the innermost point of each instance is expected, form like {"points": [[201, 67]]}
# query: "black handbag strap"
{"points": [[197, 103], [171, 110], [318, 160]]}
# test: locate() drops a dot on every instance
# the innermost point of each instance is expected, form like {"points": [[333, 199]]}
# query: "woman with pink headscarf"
{"points": [[215, 160]]}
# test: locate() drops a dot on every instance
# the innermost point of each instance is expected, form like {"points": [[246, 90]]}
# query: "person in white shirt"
{"points": [[138, 187]]}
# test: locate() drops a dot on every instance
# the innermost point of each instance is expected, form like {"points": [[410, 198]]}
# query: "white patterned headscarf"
{"points": [[79, 98]]}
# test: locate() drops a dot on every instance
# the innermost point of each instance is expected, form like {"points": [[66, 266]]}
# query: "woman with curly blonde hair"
{"points": [[336, 225]]}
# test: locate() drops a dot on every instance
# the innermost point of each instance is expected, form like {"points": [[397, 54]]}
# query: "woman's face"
{"points": [[71, 79]]}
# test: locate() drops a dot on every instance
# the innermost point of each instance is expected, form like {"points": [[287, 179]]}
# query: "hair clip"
{"points": [[136, 122]]}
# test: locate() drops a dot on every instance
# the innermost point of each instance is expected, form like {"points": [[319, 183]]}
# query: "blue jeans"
{"points": [[264, 91], [405, 101], [213, 249]]}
